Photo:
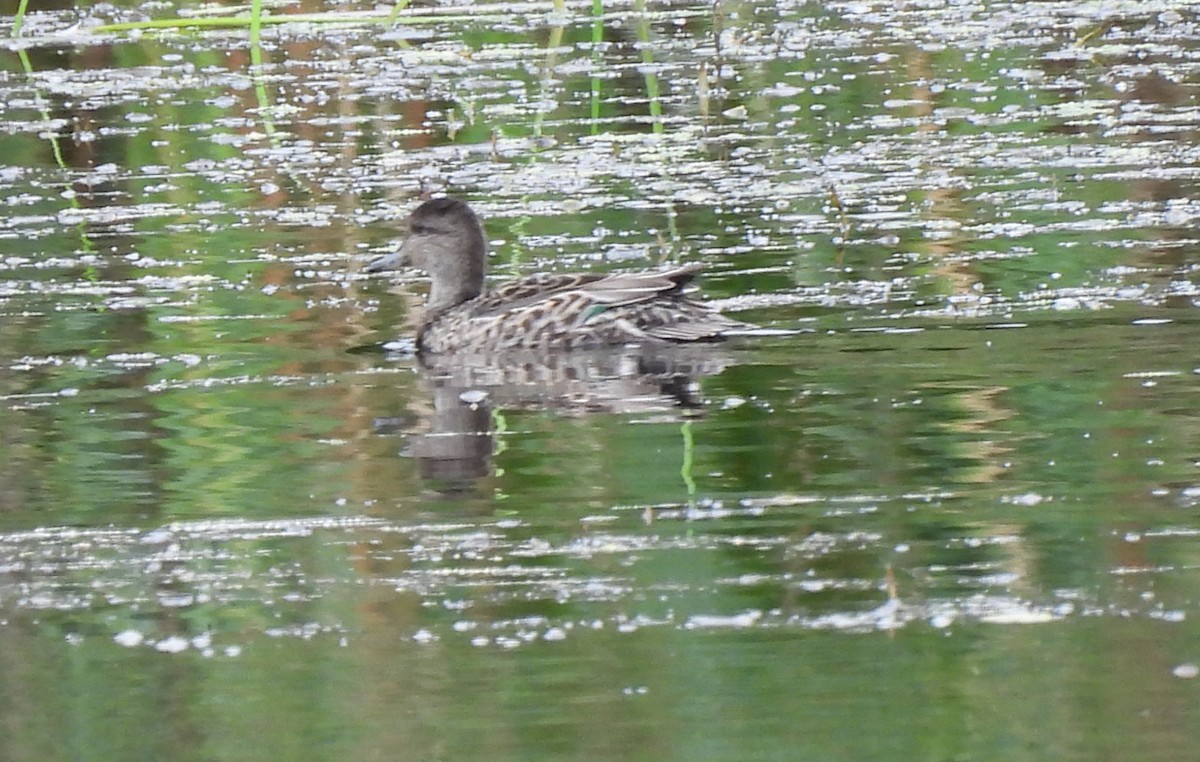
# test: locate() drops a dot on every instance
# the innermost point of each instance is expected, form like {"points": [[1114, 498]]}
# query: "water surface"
{"points": [[948, 510]]}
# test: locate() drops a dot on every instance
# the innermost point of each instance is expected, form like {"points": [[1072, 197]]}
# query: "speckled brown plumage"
{"points": [[552, 311]]}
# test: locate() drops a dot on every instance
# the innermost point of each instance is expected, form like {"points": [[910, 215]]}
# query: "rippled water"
{"points": [[946, 507]]}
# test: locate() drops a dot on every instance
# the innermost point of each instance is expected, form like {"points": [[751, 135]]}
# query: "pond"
{"points": [[945, 506]]}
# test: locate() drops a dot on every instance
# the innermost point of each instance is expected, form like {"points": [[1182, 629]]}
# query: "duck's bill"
{"points": [[389, 262]]}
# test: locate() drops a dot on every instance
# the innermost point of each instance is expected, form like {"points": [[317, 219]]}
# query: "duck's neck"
{"points": [[447, 294], [456, 268]]}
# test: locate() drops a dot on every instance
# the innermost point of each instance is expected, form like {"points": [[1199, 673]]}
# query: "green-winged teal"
{"points": [[551, 311]]}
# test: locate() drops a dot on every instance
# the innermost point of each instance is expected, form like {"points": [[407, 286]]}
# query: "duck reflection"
{"points": [[453, 442], [455, 452]]}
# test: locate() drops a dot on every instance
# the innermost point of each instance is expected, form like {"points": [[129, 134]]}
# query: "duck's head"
{"points": [[445, 240]]}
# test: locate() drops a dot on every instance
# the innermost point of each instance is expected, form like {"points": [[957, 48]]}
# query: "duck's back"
{"points": [[575, 311]]}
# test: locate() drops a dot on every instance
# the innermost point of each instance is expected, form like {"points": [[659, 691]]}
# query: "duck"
{"points": [[554, 311]]}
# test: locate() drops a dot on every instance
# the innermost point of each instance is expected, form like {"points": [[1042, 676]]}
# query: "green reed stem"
{"points": [[256, 69], [19, 19], [499, 428], [394, 16], [256, 19], [552, 43], [54, 144], [298, 18], [643, 35], [56, 149], [597, 41], [685, 470]]}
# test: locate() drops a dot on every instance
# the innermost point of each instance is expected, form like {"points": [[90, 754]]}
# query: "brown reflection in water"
{"points": [[939, 203], [1153, 87], [1173, 249], [988, 454]]}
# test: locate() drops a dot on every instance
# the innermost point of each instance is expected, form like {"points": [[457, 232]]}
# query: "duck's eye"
{"points": [[420, 228]]}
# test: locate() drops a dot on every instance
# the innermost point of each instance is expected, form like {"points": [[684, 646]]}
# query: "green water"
{"points": [[949, 509]]}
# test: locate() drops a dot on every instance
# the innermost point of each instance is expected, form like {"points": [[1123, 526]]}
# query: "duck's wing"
{"points": [[583, 290], [667, 317], [653, 306], [631, 288], [523, 292], [593, 310]]}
